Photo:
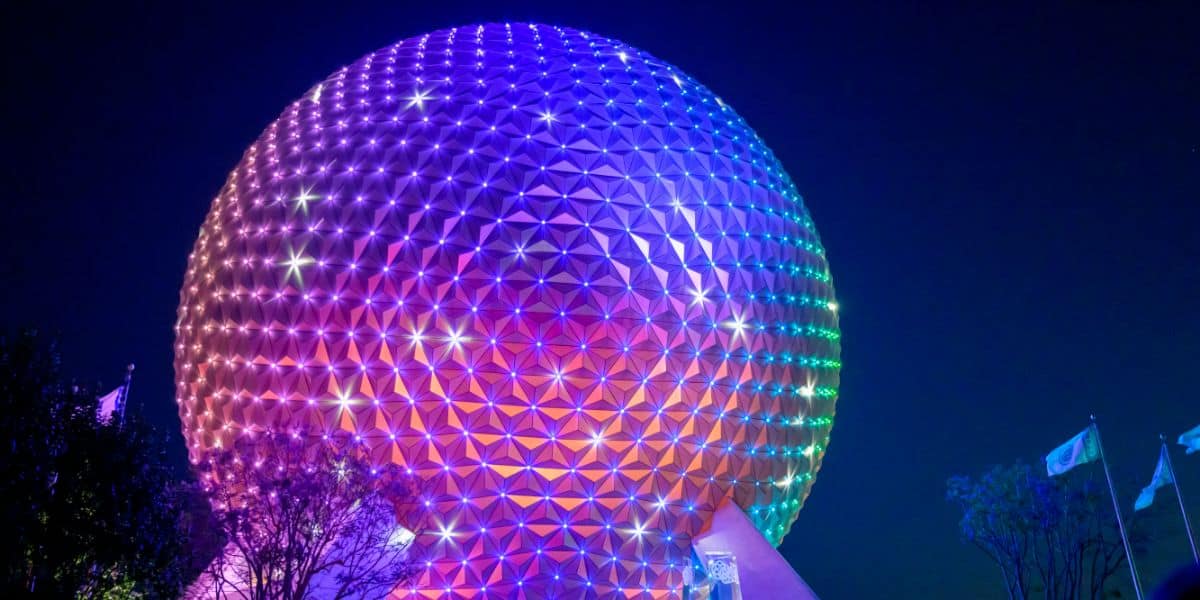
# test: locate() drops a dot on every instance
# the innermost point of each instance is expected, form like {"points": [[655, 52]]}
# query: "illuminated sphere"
{"points": [[554, 276]]}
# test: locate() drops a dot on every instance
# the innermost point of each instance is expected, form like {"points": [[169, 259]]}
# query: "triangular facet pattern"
{"points": [[555, 277]]}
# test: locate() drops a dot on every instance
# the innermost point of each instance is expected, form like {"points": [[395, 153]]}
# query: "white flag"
{"points": [[1162, 476], [1191, 439], [108, 405], [1081, 449]]}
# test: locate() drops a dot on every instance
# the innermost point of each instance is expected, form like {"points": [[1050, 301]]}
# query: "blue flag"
{"points": [[1162, 476], [1191, 439]]}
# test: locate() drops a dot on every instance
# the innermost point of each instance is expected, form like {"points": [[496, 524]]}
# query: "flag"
{"points": [[1191, 439], [1081, 449], [1162, 476], [108, 404]]}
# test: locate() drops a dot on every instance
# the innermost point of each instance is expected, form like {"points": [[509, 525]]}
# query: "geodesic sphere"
{"points": [[556, 277]]}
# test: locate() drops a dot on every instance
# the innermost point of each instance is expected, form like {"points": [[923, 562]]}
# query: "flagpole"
{"points": [[124, 397], [1137, 584], [1187, 525]]}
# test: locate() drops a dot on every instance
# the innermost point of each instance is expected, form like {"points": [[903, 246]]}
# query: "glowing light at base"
{"points": [[557, 278]]}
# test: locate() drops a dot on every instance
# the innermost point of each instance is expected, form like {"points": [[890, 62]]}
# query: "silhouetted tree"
{"points": [[91, 510], [36, 405], [308, 521], [1055, 538]]}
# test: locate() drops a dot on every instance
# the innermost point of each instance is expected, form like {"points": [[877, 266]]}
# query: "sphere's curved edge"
{"points": [[554, 276]]}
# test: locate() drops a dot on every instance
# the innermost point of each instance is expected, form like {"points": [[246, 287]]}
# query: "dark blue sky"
{"points": [[1010, 198]]}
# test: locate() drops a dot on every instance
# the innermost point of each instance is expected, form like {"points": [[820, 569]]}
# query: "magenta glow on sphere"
{"points": [[556, 277]]}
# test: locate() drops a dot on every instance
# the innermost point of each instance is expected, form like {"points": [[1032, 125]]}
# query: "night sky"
{"points": [[1010, 199]]}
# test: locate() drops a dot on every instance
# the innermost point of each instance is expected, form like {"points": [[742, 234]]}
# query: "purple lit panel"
{"points": [[554, 276]]}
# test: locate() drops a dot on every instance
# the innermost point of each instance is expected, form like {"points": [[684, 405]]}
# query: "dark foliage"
{"points": [[93, 509]]}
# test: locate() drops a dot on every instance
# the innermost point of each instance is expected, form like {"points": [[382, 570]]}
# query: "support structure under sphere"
{"points": [[555, 277]]}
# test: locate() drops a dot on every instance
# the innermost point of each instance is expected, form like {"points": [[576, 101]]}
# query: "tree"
{"points": [[1057, 536], [119, 520], [93, 510], [308, 521], [35, 406]]}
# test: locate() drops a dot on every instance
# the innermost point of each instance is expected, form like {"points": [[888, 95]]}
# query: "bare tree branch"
{"points": [[309, 520], [1054, 534]]}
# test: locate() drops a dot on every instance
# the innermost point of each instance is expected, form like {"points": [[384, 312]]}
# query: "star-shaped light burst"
{"points": [[456, 338], [295, 261], [418, 99], [738, 325], [302, 200], [345, 399]]}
